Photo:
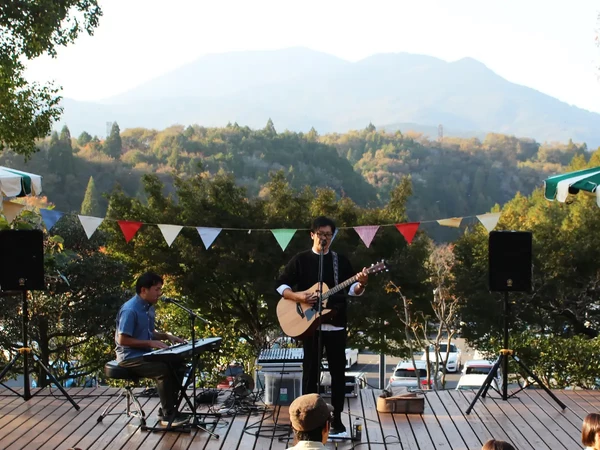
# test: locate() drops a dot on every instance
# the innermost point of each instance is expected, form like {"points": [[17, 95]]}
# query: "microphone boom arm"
{"points": [[185, 308]]}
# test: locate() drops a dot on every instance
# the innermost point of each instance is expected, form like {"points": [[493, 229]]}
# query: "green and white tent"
{"points": [[560, 186], [16, 183]]}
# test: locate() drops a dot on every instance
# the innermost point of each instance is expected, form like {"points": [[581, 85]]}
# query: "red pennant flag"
{"points": [[129, 228], [408, 230]]}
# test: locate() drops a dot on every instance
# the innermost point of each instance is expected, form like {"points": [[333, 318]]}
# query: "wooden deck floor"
{"points": [[531, 420]]}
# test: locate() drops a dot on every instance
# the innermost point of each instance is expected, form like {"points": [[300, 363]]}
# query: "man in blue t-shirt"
{"points": [[136, 334]]}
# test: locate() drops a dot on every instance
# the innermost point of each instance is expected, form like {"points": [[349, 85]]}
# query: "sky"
{"points": [[546, 45]]}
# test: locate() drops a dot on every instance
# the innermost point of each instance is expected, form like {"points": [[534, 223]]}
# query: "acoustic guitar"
{"points": [[299, 320]]}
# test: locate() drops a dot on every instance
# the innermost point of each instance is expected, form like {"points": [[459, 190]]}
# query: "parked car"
{"points": [[351, 358], [454, 359], [477, 366], [405, 375], [482, 367], [474, 382]]}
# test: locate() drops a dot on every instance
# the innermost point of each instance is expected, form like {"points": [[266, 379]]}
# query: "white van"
{"points": [[405, 375]]}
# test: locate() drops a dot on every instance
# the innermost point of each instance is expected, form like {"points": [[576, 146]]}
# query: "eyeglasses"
{"points": [[325, 235]]}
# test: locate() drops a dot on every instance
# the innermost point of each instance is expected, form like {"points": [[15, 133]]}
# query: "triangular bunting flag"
{"points": [[50, 217], [11, 210], [408, 230], [170, 232], [129, 228], [208, 235], [283, 236], [90, 224], [367, 233], [334, 235], [452, 222], [489, 221]]}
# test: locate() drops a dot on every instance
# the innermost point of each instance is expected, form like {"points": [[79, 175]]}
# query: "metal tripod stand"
{"points": [[503, 361], [26, 351]]}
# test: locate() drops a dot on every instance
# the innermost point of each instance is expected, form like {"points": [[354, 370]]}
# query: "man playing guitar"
{"points": [[302, 272]]}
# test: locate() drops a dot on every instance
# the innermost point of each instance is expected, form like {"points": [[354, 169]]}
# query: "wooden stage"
{"points": [[531, 420]]}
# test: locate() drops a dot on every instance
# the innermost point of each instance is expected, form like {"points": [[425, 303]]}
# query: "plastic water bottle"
{"points": [[357, 430]]}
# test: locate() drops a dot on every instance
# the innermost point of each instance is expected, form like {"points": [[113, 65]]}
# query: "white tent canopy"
{"points": [[16, 183]]}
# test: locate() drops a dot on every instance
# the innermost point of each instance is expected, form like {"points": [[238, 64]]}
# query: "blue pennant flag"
{"points": [[50, 217]]}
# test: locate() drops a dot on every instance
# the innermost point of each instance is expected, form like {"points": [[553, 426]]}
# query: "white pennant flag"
{"points": [[489, 221], [90, 224], [208, 235], [170, 232]]}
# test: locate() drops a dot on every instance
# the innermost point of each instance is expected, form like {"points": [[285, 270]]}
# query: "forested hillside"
{"points": [[456, 177]]}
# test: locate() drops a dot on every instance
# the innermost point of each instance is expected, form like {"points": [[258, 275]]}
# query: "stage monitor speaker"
{"points": [[21, 260], [510, 264]]}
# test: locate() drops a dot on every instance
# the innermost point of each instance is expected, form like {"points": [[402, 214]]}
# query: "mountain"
{"points": [[299, 88]]}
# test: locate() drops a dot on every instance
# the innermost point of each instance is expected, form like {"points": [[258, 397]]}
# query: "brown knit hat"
{"points": [[309, 412]]}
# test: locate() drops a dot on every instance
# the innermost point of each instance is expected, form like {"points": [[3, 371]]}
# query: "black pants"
{"points": [[168, 384], [334, 343]]}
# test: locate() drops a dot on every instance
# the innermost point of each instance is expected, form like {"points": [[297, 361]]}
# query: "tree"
{"points": [[65, 138], [270, 128], [237, 288], [30, 29], [60, 155], [90, 205], [84, 138], [113, 145], [445, 304]]}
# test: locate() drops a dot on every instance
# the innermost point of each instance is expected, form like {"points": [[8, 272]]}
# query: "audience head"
{"points": [[590, 436], [310, 417], [493, 444]]}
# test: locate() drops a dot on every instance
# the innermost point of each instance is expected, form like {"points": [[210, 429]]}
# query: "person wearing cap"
{"points": [[294, 284], [310, 417]]}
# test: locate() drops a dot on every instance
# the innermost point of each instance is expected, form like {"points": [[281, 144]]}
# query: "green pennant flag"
{"points": [[283, 236]]}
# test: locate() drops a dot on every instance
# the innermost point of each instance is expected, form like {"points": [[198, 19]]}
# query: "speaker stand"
{"points": [[503, 360], [25, 351]]}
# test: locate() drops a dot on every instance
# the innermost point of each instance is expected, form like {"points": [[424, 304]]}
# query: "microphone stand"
{"points": [[193, 316], [319, 314]]}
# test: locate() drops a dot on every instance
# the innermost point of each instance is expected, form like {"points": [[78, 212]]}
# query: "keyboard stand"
{"points": [[183, 395], [195, 419]]}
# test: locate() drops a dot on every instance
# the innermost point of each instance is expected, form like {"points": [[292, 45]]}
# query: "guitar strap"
{"points": [[335, 267]]}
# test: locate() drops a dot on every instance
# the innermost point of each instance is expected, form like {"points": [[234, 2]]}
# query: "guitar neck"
{"points": [[334, 290]]}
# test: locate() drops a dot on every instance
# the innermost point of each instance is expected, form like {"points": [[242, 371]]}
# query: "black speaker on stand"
{"points": [[22, 269], [510, 270], [510, 261]]}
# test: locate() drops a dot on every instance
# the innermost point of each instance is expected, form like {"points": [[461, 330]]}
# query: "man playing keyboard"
{"points": [[135, 335]]}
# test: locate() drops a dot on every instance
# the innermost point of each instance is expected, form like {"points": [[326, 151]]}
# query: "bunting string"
{"points": [[208, 235]]}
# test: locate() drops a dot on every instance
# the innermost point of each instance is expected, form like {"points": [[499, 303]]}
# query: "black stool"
{"points": [[116, 372]]}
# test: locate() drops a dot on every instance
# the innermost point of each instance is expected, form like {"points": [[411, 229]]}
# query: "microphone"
{"points": [[323, 243], [168, 300]]}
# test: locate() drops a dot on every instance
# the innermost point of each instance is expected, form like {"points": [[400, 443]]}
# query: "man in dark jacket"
{"points": [[300, 274]]}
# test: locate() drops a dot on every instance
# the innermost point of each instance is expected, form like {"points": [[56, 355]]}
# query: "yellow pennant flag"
{"points": [[11, 210], [452, 222]]}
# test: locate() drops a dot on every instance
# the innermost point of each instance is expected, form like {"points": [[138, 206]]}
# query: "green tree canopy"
{"points": [[90, 205], [113, 145], [84, 138], [238, 272], [31, 28]]}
